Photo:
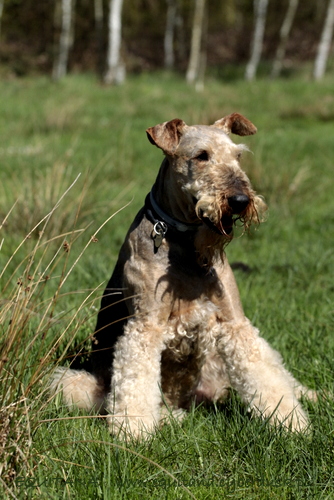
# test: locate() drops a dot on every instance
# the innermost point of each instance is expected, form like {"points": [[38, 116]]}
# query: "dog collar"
{"points": [[170, 221], [162, 221]]}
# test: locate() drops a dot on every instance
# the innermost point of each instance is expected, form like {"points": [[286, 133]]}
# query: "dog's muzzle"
{"points": [[237, 205]]}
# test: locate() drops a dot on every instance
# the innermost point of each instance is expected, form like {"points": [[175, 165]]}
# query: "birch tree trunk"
{"points": [[196, 42], [260, 13], [115, 68], [65, 40], [325, 43], [1, 11], [169, 33], [284, 36], [98, 15]]}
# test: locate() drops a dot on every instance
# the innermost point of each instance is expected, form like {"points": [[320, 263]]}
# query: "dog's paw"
{"points": [[304, 392], [287, 413], [168, 415], [127, 427], [297, 421], [293, 419]]}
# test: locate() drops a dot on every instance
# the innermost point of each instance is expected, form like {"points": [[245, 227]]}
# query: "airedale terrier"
{"points": [[171, 329]]}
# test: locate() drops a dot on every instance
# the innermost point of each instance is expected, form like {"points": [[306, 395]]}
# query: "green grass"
{"points": [[52, 277]]}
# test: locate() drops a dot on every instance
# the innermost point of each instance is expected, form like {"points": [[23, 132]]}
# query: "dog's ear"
{"points": [[166, 136], [236, 124]]}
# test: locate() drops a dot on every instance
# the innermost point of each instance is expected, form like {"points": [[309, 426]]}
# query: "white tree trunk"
{"points": [[196, 42], [115, 68], [169, 33], [284, 36], [325, 43], [65, 40], [260, 13], [1, 11]]}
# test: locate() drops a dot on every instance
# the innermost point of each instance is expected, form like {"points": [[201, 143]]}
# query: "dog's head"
{"points": [[204, 172]]}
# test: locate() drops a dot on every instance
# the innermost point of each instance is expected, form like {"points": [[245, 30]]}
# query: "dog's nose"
{"points": [[238, 202]]}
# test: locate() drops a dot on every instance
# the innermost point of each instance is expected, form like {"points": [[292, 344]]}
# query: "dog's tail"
{"points": [[79, 388]]}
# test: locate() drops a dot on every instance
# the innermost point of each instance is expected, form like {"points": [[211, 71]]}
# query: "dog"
{"points": [[171, 330]]}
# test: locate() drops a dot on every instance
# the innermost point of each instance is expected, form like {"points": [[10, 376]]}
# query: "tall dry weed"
{"points": [[35, 330]]}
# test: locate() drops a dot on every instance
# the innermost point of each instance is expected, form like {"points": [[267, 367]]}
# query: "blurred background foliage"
{"points": [[30, 34]]}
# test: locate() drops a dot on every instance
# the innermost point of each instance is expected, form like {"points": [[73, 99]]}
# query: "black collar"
{"points": [[155, 214]]}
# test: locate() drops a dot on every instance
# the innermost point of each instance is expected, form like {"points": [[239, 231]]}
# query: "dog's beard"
{"points": [[209, 246], [218, 219], [217, 231], [223, 227]]}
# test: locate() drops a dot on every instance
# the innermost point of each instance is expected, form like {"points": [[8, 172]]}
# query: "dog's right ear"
{"points": [[166, 136], [236, 124]]}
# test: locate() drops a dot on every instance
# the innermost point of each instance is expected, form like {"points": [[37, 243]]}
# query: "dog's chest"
{"points": [[192, 326]]}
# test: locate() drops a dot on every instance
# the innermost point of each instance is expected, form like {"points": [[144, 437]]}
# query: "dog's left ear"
{"points": [[166, 136], [236, 124]]}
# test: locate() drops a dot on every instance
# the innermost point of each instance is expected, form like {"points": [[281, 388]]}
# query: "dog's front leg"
{"points": [[135, 397], [257, 373]]}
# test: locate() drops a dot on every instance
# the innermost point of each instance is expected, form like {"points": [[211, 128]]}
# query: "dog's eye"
{"points": [[203, 156]]}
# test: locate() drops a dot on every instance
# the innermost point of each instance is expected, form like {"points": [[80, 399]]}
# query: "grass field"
{"points": [[58, 249]]}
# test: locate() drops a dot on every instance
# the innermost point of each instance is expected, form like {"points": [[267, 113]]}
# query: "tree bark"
{"points": [[325, 43], [260, 13], [65, 40], [115, 68], [194, 65], [284, 37]]}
